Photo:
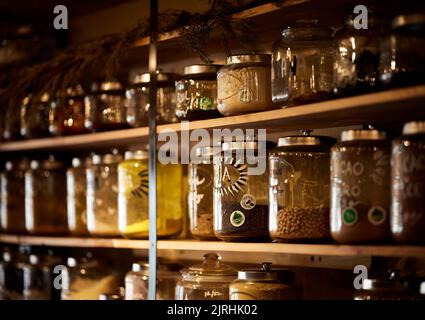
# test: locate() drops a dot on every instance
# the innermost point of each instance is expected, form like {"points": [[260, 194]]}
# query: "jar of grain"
{"points": [[360, 187], [299, 189], [264, 284], [243, 84]]}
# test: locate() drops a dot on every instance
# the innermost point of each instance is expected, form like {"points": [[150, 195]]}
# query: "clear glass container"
{"points": [[243, 84], [35, 117], [105, 107], [12, 210], [11, 276], [408, 185], [382, 289], [137, 281], [402, 60], [299, 189], [87, 278], [102, 195], [302, 65], [241, 205], [137, 99], [360, 187], [196, 92], [45, 198], [73, 112], [12, 118], [207, 281], [201, 190], [264, 284], [133, 202], [76, 181]]}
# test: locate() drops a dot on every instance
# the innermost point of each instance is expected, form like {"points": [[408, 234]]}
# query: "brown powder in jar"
{"points": [[204, 228]]}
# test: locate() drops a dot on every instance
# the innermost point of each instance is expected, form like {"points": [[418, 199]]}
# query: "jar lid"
{"points": [[49, 164], [201, 69], [143, 267], [307, 30], [351, 135], [21, 165], [110, 86], [414, 127], [74, 91], [267, 274], [246, 145], [137, 154], [384, 285], [206, 152], [108, 158], [80, 162], [249, 58], [409, 19], [211, 267], [305, 141], [145, 78]]}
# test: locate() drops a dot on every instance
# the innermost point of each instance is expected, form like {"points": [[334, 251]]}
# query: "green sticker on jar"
{"points": [[377, 215], [349, 216], [237, 218], [205, 103]]}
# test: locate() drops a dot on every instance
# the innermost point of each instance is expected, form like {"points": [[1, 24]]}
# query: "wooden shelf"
{"points": [[194, 245], [383, 107]]}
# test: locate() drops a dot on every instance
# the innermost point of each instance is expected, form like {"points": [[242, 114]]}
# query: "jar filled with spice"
{"points": [[73, 111], [137, 99], [133, 190], [196, 92], [102, 195], [302, 64], [299, 189], [243, 84], [12, 209], [408, 184], [264, 284], [360, 187], [35, 117], [240, 191], [402, 60], [76, 182], [105, 108], [207, 281], [45, 198]]}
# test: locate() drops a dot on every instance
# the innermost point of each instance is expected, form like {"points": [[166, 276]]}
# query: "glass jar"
{"points": [[137, 281], [241, 199], [357, 57], [87, 278], [381, 289], [201, 190], [299, 189], [11, 276], [45, 198], [102, 195], [197, 92], [12, 118], [360, 187], [137, 99], [207, 281], [302, 65], [133, 202], [105, 108], [35, 117], [12, 210], [73, 111], [264, 284], [76, 182], [402, 60], [408, 185], [243, 84]]}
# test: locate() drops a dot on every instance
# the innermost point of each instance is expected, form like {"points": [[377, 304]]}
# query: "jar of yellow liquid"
{"points": [[133, 190]]}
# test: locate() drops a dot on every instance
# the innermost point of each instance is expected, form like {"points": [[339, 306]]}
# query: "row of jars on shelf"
{"points": [[32, 277], [307, 64]]}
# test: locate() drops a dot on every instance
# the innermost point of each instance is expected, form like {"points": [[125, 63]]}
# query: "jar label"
{"points": [[248, 201], [350, 216], [377, 215], [234, 178], [237, 218]]}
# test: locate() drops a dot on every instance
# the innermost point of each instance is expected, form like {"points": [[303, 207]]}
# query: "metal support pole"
{"points": [[152, 149]]}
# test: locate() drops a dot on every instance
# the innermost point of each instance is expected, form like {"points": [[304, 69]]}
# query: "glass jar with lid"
{"points": [[385, 289], [102, 195], [12, 118], [12, 210], [137, 99], [11, 276], [302, 64], [73, 111], [264, 284], [196, 92], [76, 181], [35, 117], [299, 189], [45, 198], [207, 281], [243, 84], [137, 281], [201, 189], [402, 60], [408, 184], [133, 190], [241, 191], [105, 107], [360, 187]]}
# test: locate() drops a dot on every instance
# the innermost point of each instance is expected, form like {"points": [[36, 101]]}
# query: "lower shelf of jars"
{"points": [[220, 246]]}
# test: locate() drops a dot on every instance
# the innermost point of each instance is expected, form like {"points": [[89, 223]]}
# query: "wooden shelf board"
{"points": [[194, 245], [382, 107]]}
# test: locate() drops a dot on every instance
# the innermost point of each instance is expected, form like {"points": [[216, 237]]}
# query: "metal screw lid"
{"points": [[351, 135], [145, 78], [108, 158], [414, 127], [305, 140], [409, 19], [201, 69], [110, 85], [137, 154], [265, 273], [249, 58]]}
